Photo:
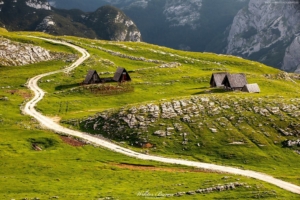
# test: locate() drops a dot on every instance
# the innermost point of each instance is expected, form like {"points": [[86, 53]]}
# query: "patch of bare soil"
{"points": [[72, 141], [24, 94]]}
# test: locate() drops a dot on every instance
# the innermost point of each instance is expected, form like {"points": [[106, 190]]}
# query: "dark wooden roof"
{"points": [[251, 88], [235, 80], [217, 79], [118, 74], [92, 77]]}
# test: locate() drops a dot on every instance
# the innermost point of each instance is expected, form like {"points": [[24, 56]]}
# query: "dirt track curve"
{"points": [[50, 124]]}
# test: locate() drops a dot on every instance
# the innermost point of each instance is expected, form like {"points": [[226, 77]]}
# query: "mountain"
{"points": [[267, 32], [195, 25], [107, 22]]}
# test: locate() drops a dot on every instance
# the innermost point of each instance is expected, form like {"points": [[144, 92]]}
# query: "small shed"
{"points": [[235, 81], [92, 77], [217, 79], [251, 88], [121, 75]]}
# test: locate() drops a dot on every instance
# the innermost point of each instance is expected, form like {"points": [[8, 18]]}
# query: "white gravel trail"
{"points": [[50, 124]]}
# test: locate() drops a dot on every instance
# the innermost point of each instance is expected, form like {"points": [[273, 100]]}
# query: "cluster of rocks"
{"points": [[283, 76], [16, 54], [64, 56], [46, 24], [170, 65], [219, 188], [107, 62], [38, 4], [166, 65], [291, 143], [121, 55], [192, 60], [4, 98], [177, 119]]}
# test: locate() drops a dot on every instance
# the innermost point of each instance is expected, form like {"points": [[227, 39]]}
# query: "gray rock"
{"points": [[160, 133], [186, 119], [4, 99], [213, 130]]}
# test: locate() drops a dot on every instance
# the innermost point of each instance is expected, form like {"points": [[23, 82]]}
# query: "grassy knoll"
{"points": [[85, 172]]}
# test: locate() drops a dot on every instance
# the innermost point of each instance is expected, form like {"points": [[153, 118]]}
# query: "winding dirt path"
{"points": [[50, 124]]}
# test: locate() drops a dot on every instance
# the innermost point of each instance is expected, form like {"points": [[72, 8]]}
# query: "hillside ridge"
{"points": [[107, 22]]}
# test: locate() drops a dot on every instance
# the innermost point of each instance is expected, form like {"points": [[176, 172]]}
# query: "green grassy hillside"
{"points": [[67, 171]]}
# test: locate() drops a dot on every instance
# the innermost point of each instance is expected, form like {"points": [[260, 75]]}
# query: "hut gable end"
{"points": [[235, 81], [92, 77], [217, 79], [121, 75], [251, 88]]}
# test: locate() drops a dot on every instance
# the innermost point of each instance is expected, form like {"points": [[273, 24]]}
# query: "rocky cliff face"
{"points": [[266, 31], [291, 60], [16, 54], [196, 25], [112, 24], [262, 30], [181, 13], [37, 4]]}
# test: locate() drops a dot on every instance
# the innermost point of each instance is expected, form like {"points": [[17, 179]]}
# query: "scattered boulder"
{"points": [[4, 99], [160, 133]]}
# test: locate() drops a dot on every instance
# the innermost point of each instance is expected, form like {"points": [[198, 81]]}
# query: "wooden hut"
{"points": [[217, 79], [121, 75], [251, 88], [235, 81], [92, 77]]}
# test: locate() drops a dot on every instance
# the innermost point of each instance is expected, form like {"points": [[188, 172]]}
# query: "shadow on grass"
{"points": [[212, 91], [63, 87], [200, 88]]}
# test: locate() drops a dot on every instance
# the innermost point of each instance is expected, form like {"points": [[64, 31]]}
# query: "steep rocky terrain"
{"points": [[196, 25], [267, 32], [107, 22], [16, 54], [264, 31]]}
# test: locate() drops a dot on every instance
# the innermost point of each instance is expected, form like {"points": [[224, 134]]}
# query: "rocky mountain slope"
{"points": [[196, 25], [16, 54], [107, 22], [267, 32]]}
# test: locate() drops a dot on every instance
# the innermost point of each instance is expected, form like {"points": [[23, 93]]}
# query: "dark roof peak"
{"points": [[237, 80], [121, 75], [92, 77]]}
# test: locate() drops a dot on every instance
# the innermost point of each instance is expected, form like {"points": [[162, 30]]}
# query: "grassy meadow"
{"points": [[67, 171]]}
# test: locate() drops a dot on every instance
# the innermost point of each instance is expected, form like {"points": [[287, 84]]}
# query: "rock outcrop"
{"points": [[187, 119], [112, 24], [291, 60], [15, 54], [265, 31], [37, 4], [181, 13]]}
